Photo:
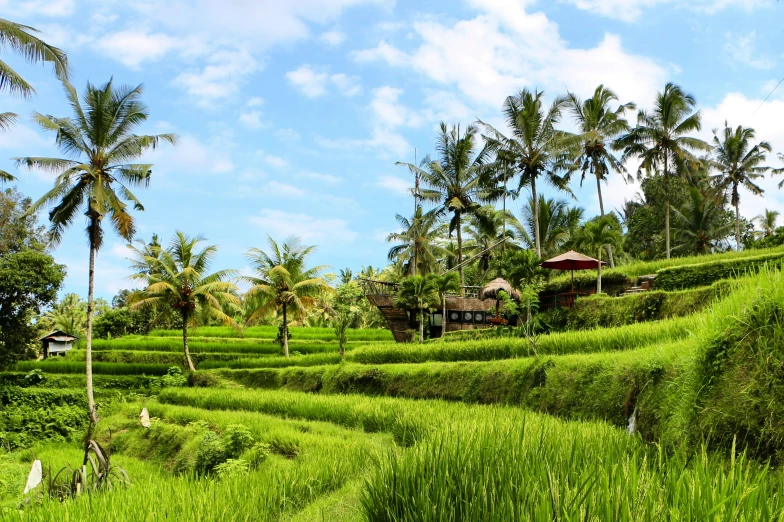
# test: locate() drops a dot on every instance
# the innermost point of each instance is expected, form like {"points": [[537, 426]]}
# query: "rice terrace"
{"points": [[377, 260]]}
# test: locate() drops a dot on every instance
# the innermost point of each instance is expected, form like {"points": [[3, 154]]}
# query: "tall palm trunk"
{"points": [[667, 206], [599, 272], [443, 318], [601, 211], [285, 332], [736, 202], [188, 359], [88, 347], [537, 240], [421, 325], [460, 253]]}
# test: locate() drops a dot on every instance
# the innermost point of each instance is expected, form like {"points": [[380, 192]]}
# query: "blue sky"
{"points": [[292, 114]]}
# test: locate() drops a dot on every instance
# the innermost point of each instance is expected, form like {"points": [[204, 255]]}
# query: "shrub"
{"points": [[232, 467], [236, 440], [703, 274], [210, 454]]}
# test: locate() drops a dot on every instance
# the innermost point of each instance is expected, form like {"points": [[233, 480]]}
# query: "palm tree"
{"points": [[417, 293], [96, 178], [177, 279], [485, 230], [536, 148], [448, 283], [22, 40], [558, 223], [283, 282], [596, 236], [599, 125], [69, 315], [767, 222], [702, 221], [417, 244], [459, 181], [739, 163], [660, 139]]}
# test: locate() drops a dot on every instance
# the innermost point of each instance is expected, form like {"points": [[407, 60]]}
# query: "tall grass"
{"points": [[104, 368], [272, 362], [270, 332], [244, 346]]}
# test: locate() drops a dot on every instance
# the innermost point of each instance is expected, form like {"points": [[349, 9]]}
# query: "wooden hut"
{"points": [[57, 343]]}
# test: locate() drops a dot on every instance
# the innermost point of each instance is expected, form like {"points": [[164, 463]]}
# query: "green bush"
{"points": [[704, 274], [614, 281]]}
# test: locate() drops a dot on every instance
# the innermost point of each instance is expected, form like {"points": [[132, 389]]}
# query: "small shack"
{"points": [[57, 343]]}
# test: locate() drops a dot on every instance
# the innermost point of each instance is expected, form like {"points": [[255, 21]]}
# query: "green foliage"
{"points": [[29, 281], [55, 366], [173, 378], [31, 416], [121, 322], [237, 439], [703, 274]]}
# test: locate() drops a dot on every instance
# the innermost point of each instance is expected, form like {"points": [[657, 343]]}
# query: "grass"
{"points": [[105, 368], [269, 332], [244, 346]]}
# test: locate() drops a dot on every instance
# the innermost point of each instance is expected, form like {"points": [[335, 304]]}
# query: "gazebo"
{"points": [[57, 343], [572, 261], [492, 290]]}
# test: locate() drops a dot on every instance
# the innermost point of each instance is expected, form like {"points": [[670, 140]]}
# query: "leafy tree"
{"points": [[459, 181], [341, 324], [22, 39], [536, 147], [19, 231], [122, 321], [599, 125], [444, 284], [69, 315], [346, 276], [283, 282], [557, 222], [94, 181], [767, 222], [660, 140], [739, 163], [418, 293], [29, 282], [485, 230], [645, 238], [178, 278], [702, 221], [597, 235], [523, 268], [417, 244]]}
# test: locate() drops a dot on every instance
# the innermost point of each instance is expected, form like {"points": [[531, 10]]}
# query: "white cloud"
{"points": [[255, 102], [23, 9], [287, 135], [274, 161], [192, 156], [318, 176], [134, 47], [282, 189], [278, 223], [347, 85], [395, 184], [389, 143], [220, 78], [388, 110], [505, 48], [251, 119], [308, 81], [631, 11], [333, 38], [743, 49]]}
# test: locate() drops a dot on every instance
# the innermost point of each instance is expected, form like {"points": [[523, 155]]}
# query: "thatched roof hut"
{"points": [[491, 289]]}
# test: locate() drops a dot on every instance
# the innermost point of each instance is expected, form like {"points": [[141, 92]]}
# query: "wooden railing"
{"points": [[376, 287]]}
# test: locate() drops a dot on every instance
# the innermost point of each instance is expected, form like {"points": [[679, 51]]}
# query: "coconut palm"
{"points": [[459, 181], [702, 222], [283, 283], [417, 244], [595, 237], [558, 222], [448, 283], [536, 147], [177, 278], [767, 222], [739, 163], [22, 40], [485, 230], [660, 140], [599, 125], [418, 293], [95, 177]]}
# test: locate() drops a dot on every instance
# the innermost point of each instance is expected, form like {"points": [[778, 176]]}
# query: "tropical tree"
{"points": [[22, 40], [660, 140], [767, 222], [740, 163], [595, 237], [418, 293], [599, 125], [557, 222], [95, 179], [417, 243], [448, 283], [702, 221], [536, 147], [69, 315], [340, 325], [283, 282], [459, 181], [485, 230], [177, 278]]}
